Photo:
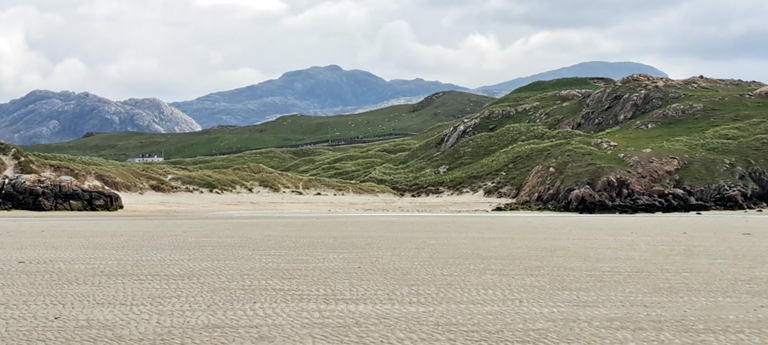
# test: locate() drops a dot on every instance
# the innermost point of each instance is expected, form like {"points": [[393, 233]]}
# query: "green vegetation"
{"points": [[16, 156], [504, 143], [282, 132], [173, 178]]}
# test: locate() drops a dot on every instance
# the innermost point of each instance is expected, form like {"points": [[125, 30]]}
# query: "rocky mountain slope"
{"points": [[45, 116], [598, 69], [327, 90]]}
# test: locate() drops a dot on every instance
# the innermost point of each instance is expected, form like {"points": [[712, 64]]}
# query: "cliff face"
{"points": [[45, 117]]}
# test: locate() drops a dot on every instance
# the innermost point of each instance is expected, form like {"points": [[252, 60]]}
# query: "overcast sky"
{"points": [[182, 49]]}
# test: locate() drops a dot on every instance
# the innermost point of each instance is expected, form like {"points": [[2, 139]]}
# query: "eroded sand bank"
{"points": [[288, 278]]}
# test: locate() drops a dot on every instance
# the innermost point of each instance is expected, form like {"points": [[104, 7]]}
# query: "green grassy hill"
{"points": [[284, 131], [652, 144]]}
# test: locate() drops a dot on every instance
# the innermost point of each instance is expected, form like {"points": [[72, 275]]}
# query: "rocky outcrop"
{"points": [[46, 117], [44, 193], [639, 191], [644, 126], [761, 93], [678, 111], [465, 129], [457, 132], [574, 94], [625, 100], [604, 144]]}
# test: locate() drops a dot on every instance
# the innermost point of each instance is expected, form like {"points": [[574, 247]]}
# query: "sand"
{"points": [[230, 275], [185, 203]]}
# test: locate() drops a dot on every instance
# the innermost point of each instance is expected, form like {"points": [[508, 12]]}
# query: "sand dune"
{"points": [[282, 278]]}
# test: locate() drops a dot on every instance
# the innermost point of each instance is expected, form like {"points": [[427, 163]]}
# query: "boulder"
{"points": [[604, 144], [44, 193], [761, 93]]}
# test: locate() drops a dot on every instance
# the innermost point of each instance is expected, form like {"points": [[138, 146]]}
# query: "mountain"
{"points": [[327, 90], [598, 69], [292, 130], [637, 144], [45, 117]]}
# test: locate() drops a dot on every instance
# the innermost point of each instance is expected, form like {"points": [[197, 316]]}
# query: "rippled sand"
{"points": [[368, 279]]}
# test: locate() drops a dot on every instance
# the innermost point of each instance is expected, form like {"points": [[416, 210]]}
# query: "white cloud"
{"points": [[258, 6], [338, 16], [21, 67]]}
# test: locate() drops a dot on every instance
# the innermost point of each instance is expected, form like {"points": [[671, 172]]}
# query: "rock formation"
{"points": [[640, 190], [44, 193], [465, 129]]}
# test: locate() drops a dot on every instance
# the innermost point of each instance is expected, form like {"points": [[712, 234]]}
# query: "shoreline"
{"points": [[265, 203]]}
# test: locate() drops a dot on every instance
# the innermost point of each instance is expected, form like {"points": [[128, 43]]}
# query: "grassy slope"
{"points": [[730, 128], [284, 131], [169, 178]]}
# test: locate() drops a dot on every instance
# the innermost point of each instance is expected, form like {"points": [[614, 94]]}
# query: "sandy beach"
{"points": [[290, 272], [186, 203]]}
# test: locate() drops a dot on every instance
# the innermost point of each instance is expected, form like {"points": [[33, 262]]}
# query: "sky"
{"points": [[182, 49]]}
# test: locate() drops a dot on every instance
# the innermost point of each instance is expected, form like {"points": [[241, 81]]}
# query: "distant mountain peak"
{"points": [[333, 68], [44, 116], [327, 90], [599, 69]]}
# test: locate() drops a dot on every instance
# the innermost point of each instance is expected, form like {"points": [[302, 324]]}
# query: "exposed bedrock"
{"points": [[639, 191], [39, 193]]}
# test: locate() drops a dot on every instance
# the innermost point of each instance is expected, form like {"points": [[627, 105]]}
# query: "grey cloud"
{"points": [[177, 50]]}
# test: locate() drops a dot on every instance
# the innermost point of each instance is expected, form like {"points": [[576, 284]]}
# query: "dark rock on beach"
{"points": [[638, 191], [39, 193]]}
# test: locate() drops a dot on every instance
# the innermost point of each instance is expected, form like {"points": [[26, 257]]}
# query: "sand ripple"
{"points": [[384, 280]]}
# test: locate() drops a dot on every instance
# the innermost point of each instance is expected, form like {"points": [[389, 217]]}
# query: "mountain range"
{"points": [[46, 117], [327, 90]]}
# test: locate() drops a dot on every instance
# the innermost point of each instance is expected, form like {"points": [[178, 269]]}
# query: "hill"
{"points": [[45, 116], [639, 144], [597, 69], [327, 90], [284, 131]]}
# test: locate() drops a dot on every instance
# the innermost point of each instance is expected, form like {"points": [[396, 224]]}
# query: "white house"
{"points": [[146, 158]]}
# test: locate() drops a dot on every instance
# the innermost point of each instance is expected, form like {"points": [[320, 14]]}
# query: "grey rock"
{"points": [[604, 144]]}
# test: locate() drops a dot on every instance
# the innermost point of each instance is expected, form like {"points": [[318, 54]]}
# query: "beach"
{"points": [[378, 270]]}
